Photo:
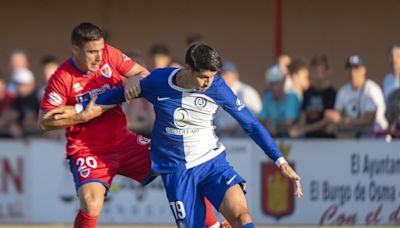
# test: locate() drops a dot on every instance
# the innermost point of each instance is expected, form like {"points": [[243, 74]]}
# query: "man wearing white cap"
{"points": [[359, 106], [25, 107]]}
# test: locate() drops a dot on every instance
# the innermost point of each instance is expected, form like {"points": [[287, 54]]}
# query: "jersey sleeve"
{"points": [[122, 62], [230, 103], [55, 93]]}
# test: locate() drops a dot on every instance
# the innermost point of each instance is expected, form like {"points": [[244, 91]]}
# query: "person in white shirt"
{"points": [[359, 105], [248, 95]]}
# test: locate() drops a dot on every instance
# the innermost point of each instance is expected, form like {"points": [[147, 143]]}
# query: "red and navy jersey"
{"points": [[69, 86]]}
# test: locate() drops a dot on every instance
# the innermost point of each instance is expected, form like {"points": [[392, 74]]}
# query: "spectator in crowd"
{"points": [[359, 105], [392, 113], [6, 99], [280, 110], [18, 61], [282, 62], [392, 79], [161, 56], [226, 125], [25, 107], [299, 74], [317, 99], [49, 66]]}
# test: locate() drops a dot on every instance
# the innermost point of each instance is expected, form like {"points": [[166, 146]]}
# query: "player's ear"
{"points": [[75, 49]]}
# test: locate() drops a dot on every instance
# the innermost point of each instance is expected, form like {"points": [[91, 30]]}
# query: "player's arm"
{"points": [[257, 132], [132, 84], [48, 121], [68, 115]]}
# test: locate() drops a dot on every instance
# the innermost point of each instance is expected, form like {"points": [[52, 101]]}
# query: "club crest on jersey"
{"points": [[240, 104], [200, 102], [142, 140], [106, 71]]}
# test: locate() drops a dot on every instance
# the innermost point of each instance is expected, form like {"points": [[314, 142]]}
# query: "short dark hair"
{"points": [[48, 59], [85, 32], [159, 49], [297, 64], [200, 57], [320, 60]]}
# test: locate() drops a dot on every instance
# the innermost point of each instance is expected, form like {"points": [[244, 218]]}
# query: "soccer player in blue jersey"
{"points": [[185, 150]]}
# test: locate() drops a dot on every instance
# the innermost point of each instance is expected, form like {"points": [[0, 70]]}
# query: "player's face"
{"points": [[90, 55], [203, 80]]}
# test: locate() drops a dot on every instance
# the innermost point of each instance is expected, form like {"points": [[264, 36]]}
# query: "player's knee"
{"points": [[91, 205]]}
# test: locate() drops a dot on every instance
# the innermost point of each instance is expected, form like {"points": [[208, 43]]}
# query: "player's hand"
{"points": [[132, 87], [61, 112], [93, 110], [291, 174]]}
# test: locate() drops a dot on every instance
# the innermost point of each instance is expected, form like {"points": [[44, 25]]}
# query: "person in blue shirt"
{"points": [[185, 150]]}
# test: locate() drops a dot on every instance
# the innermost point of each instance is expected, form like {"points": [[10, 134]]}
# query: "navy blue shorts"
{"points": [[186, 189]]}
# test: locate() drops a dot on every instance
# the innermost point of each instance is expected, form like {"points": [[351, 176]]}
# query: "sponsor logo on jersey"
{"points": [[181, 117], [200, 102], [106, 71], [54, 99], [77, 87], [92, 93], [142, 140], [240, 104]]}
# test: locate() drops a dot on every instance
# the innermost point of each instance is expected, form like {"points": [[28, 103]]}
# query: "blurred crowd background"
{"points": [[305, 68]]}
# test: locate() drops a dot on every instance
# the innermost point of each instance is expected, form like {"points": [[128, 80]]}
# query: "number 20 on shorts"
{"points": [[84, 166]]}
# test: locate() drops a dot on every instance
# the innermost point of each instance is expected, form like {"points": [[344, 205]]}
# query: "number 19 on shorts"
{"points": [[178, 209]]}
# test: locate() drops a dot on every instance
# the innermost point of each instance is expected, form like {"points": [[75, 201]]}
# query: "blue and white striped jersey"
{"points": [[183, 133]]}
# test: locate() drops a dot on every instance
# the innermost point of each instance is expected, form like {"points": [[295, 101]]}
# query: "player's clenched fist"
{"points": [[290, 173], [132, 87]]}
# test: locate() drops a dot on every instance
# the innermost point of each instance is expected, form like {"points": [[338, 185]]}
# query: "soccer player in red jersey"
{"points": [[103, 147]]}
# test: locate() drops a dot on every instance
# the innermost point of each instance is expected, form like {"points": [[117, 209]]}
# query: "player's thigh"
{"points": [[89, 168], [187, 205], [219, 179], [134, 157], [234, 203]]}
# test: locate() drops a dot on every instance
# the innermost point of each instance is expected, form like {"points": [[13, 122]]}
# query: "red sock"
{"points": [[211, 219], [84, 220]]}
